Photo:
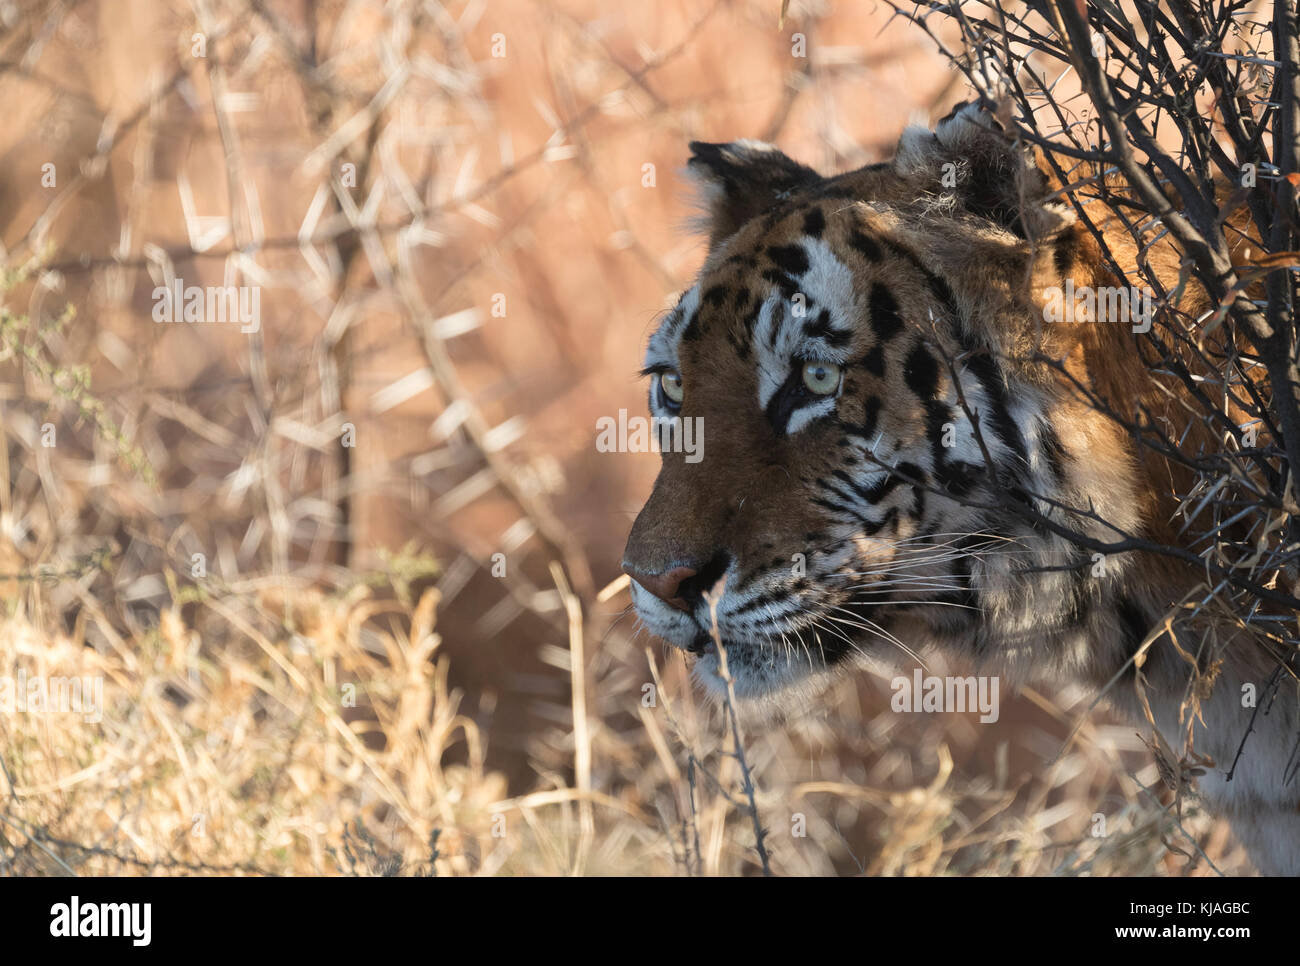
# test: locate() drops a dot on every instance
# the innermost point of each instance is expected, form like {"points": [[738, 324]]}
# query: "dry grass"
{"points": [[248, 758], [345, 685]]}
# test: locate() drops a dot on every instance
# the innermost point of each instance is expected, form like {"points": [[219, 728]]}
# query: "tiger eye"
{"points": [[671, 383], [821, 378]]}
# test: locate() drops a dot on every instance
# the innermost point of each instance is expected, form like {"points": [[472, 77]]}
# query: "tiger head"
{"points": [[864, 358]]}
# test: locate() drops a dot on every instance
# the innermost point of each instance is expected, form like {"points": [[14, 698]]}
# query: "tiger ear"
{"points": [[975, 160], [740, 180]]}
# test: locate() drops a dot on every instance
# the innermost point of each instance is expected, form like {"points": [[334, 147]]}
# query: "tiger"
{"points": [[896, 442]]}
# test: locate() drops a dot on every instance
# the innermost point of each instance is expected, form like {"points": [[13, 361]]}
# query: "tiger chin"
{"points": [[887, 458]]}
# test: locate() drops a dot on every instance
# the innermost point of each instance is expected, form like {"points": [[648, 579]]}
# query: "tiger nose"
{"points": [[665, 585]]}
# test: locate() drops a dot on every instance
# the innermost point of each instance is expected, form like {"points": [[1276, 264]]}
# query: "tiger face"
{"points": [[858, 351], [899, 448]]}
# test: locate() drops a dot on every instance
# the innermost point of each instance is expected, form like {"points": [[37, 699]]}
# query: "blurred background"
{"points": [[350, 573]]}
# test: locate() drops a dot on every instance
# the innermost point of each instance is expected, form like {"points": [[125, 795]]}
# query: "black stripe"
{"points": [[921, 373], [939, 288], [874, 361], [788, 286], [992, 379], [867, 428], [953, 476], [885, 320], [1133, 628], [866, 246], [692, 330], [820, 328], [715, 295], [1053, 451], [871, 529], [789, 258], [1063, 252]]}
